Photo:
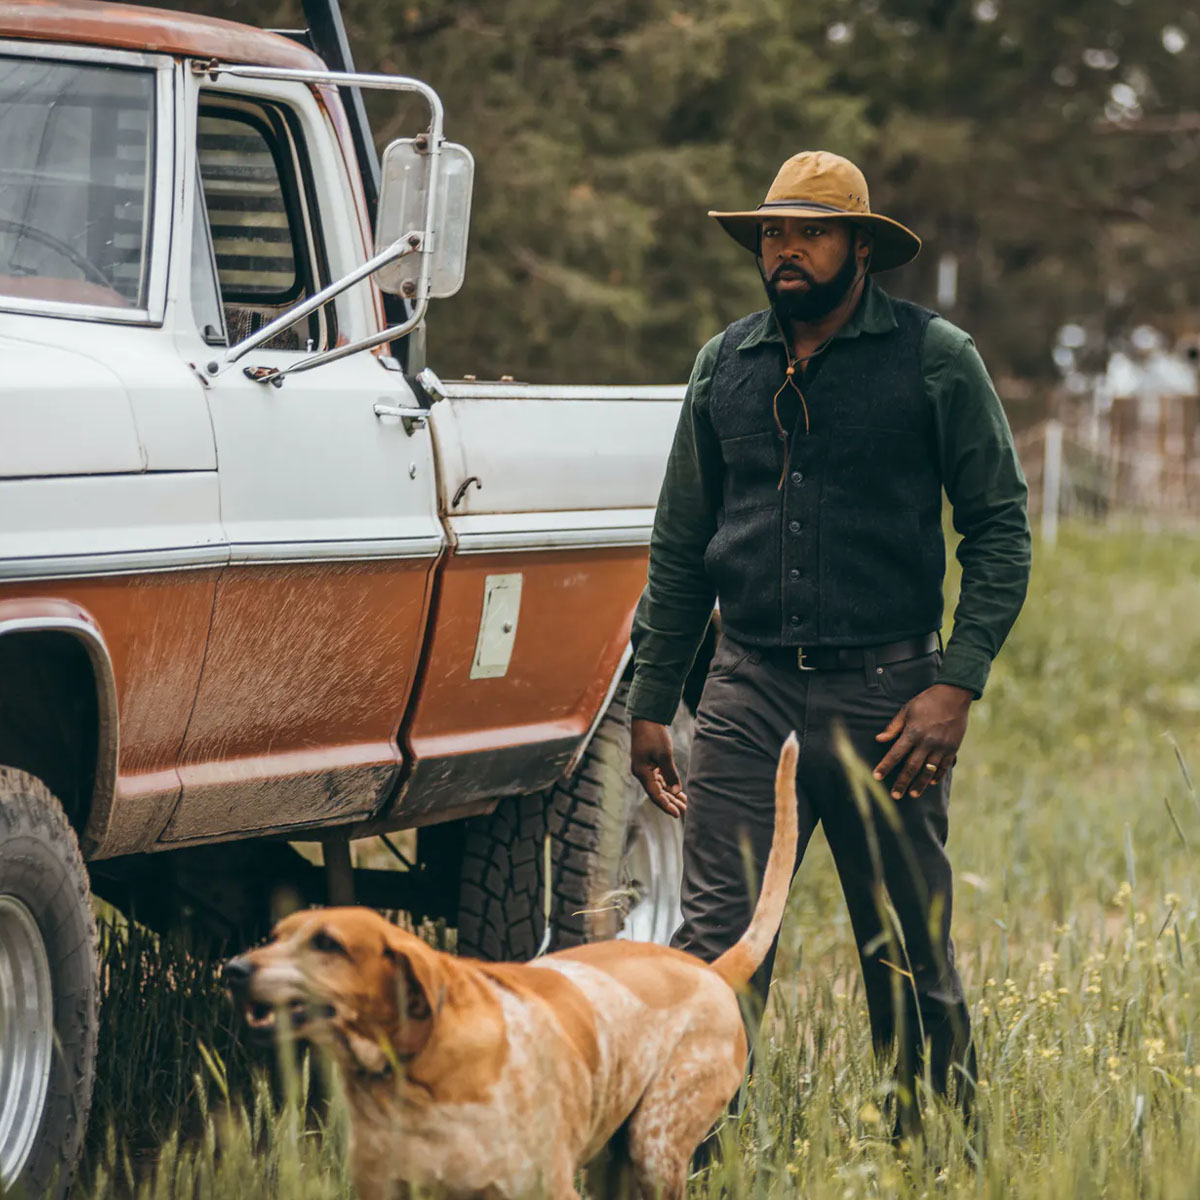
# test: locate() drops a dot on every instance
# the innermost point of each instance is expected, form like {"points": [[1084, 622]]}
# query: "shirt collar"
{"points": [[874, 314]]}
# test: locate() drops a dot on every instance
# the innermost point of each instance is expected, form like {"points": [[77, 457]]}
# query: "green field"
{"points": [[1075, 830]]}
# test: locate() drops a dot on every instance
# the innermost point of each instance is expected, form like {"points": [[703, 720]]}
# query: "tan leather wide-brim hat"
{"points": [[815, 183]]}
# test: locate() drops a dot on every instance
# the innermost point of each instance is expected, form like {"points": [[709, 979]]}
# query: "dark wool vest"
{"points": [[849, 551]]}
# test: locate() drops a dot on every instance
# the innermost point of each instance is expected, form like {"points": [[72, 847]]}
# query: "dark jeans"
{"points": [[752, 699]]}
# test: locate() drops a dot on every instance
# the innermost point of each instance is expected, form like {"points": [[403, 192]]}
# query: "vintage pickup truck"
{"points": [[264, 577]]}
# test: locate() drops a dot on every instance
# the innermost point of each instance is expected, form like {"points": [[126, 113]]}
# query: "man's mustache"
{"points": [[791, 269]]}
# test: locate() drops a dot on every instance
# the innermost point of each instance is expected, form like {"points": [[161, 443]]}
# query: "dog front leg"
{"points": [[562, 1182]]}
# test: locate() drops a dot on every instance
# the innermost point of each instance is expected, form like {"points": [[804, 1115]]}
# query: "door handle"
{"points": [[413, 418]]}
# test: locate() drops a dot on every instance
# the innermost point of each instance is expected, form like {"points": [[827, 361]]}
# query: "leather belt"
{"points": [[848, 658]]}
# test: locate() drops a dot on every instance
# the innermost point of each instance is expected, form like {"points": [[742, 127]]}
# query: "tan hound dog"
{"points": [[500, 1080]]}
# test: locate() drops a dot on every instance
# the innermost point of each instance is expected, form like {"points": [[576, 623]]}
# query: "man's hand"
{"points": [[652, 760], [926, 734]]}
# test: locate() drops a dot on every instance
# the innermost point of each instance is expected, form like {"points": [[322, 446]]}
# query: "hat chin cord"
{"points": [[790, 377]]}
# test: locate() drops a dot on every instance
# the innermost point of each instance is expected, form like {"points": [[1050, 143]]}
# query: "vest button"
{"points": [[795, 619], [794, 526], [793, 574], [797, 477]]}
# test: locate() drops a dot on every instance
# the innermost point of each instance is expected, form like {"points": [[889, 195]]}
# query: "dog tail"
{"points": [[743, 958]]}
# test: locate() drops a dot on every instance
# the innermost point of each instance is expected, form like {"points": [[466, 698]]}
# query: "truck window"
{"points": [[262, 213], [76, 162]]}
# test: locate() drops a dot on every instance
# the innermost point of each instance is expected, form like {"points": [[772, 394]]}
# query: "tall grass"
{"points": [[163, 1011], [1075, 827]]}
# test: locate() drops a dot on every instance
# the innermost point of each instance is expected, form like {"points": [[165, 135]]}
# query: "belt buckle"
{"points": [[800, 663]]}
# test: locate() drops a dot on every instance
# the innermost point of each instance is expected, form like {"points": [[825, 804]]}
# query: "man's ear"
{"points": [[864, 245]]}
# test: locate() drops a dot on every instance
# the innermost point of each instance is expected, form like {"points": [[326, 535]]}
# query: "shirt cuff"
{"points": [[646, 702], [965, 668]]}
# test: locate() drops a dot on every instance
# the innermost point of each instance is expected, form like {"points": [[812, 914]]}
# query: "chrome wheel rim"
{"points": [[651, 873], [26, 1035]]}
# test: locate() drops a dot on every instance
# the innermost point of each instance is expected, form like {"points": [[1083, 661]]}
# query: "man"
{"points": [[804, 494]]}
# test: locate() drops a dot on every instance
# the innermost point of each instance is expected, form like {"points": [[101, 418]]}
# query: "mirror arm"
{"points": [[213, 69], [276, 375], [410, 243]]}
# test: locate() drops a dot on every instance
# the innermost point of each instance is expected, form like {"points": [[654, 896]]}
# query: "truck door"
{"points": [[329, 509]]}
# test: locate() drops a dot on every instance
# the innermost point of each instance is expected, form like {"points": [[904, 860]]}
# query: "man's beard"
{"points": [[819, 299]]}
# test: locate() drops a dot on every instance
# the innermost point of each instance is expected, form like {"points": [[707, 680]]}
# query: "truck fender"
{"points": [[618, 675], [62, 616], [691, 691]]}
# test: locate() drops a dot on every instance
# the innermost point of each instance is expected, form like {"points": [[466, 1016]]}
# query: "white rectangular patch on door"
{"points": [[497, 626]]}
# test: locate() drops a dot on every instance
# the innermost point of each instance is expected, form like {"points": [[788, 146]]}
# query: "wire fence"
{"points": [[1093, 467]]}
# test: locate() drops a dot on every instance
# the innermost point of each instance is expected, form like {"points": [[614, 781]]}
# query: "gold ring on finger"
{"points": [[931, 766]]}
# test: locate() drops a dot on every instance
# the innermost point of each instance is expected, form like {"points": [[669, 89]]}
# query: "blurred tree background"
{"points": [[1053, 149]]}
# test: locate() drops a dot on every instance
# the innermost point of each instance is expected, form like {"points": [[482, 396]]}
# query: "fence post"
{"points": [[1051, 481]]}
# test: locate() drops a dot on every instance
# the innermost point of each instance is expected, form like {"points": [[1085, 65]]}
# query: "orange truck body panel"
{"points": [[155, 627], [308, 672], [568, 646]]}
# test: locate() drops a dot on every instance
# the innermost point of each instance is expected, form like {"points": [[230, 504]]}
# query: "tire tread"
{"points": [[501, 902]]}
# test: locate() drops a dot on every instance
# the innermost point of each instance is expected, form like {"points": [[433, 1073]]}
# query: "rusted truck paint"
{"points": [[147, 651], [308, 671], [151, 30]]}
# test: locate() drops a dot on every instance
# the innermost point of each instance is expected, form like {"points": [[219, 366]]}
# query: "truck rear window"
{"points": [[76, 161]]}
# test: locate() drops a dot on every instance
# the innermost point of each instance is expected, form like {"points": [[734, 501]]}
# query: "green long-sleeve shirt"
{"points": [[980, 472]]}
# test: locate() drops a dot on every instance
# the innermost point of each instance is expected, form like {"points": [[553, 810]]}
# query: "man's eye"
{"points": [[770, 232], [813, 231]]}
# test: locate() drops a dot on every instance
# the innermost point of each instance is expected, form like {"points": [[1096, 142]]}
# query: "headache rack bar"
{"points": [[326, 35]]}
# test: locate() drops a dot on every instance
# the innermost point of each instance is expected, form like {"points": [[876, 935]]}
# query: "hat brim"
{"points": [[895, 244]]}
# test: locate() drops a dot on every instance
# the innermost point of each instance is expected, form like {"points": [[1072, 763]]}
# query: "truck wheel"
{"points": [[616, 859], [48, 991]]}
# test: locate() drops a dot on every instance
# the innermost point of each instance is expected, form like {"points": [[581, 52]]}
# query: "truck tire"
{"points": [[616, 858], [48, 991]]}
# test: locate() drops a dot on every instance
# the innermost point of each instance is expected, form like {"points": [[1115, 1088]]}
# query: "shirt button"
{"points": [[797, 477], [794, 526], [793, 574]]}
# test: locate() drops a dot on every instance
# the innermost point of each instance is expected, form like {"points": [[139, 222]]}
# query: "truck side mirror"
{"points": [[405, 176]]}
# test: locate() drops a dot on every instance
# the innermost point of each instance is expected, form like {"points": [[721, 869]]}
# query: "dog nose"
{"points": [[235, 974]]}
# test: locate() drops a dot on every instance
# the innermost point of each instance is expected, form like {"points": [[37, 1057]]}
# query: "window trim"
{"points": [[201, 224], [161, 192], [283, 132]]}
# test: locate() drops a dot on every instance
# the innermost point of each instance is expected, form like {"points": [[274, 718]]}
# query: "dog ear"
{"points": [[420, 987], [419, 991]]}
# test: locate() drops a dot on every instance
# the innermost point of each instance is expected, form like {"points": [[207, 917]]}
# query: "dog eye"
{"points": [[324, 944]]}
